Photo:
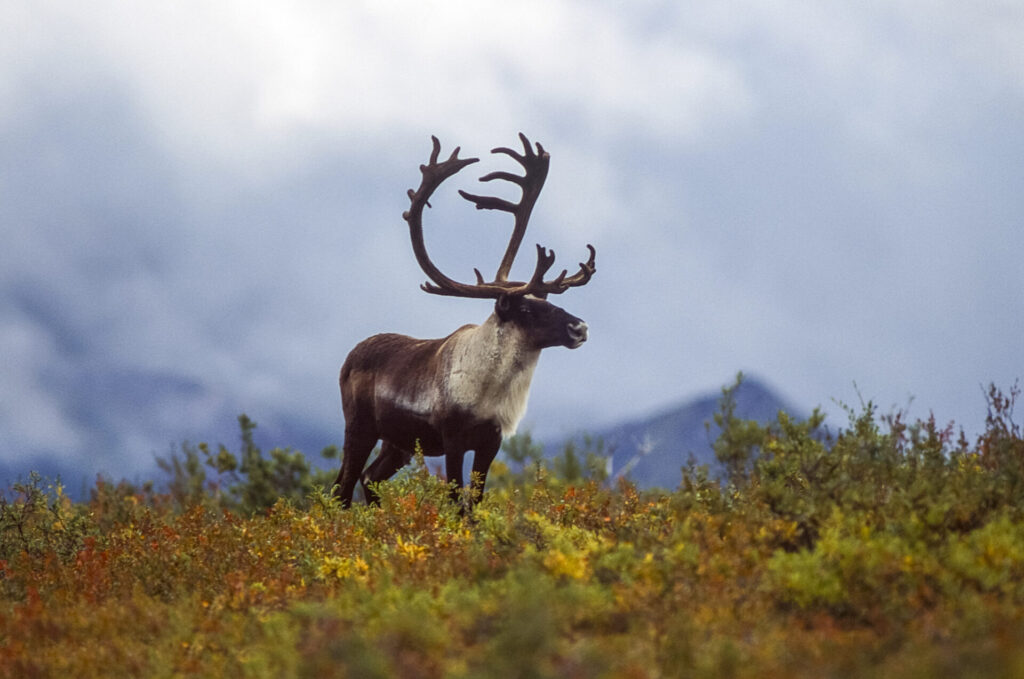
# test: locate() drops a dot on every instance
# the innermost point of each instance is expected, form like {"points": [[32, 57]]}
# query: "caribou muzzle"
{"points": [[577, 334]]}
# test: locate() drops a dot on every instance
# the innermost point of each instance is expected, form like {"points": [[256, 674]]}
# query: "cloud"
{"points": [[242, 82], [33, 420], [204, 201]]}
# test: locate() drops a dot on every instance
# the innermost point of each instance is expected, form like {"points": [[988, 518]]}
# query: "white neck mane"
{"points": [[490, 370]]}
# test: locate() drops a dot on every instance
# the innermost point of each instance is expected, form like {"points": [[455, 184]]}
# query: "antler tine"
{"points": [[526, 147], [545, 258], [535, 165], [541, 288], [587, 269]]}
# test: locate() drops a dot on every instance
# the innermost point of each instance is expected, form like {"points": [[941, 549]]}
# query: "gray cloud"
{"points": [[201, 206]]}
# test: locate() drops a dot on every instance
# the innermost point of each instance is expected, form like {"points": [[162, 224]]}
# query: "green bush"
{"points": [[247, 482]]}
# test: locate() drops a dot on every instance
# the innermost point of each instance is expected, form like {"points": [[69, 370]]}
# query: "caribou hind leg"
{"points": [[391, 459], [356, 451]]}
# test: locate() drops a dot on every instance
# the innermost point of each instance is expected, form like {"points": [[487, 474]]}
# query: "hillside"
{"points": [[653, 449]]}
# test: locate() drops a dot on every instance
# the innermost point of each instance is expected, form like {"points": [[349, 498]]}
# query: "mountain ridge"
{"points": [[652, 450]]}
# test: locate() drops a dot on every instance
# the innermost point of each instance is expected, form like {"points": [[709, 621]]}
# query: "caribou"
{"points": [[466, 391]]}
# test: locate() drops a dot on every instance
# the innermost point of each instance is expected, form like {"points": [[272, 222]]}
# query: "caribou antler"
{"points": [[535, 164]]}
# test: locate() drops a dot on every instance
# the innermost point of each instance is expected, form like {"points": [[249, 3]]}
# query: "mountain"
{"points": [[652, 450]]}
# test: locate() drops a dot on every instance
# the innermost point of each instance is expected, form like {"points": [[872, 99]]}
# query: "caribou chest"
{"points": [[489, 371]]}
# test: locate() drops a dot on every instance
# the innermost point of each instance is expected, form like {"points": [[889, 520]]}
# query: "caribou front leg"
{"points": [[453, 458], [483, 456]]}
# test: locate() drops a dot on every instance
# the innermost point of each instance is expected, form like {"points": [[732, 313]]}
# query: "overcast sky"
{"points": [[200, 204]]}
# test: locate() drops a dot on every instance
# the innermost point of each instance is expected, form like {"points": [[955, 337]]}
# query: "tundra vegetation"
{"points": [[880, 547]]}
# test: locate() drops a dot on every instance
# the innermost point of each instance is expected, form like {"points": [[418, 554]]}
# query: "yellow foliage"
{"points": [[343, 568]]}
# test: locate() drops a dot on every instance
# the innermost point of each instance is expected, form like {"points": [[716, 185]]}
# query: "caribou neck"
{"points": [[490, 369]]}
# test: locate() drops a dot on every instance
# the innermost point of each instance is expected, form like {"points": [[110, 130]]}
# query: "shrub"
{"points": [[888, 548], [247, 482]]}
